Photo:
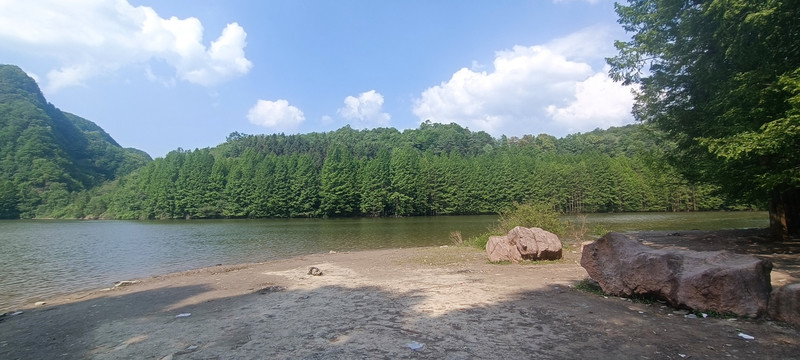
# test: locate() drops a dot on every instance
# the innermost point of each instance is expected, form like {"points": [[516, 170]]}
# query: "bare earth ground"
{"points": [[381, 304]]}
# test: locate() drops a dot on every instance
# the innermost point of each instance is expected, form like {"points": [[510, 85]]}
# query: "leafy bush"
{"points": [[479, 241], [525, 215], [530, 215]]}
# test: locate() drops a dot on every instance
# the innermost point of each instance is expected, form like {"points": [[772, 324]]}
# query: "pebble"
{"points": [[415, 345]]}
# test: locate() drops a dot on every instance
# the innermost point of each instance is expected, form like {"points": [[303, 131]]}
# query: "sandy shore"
{"points": [[438, 303]]}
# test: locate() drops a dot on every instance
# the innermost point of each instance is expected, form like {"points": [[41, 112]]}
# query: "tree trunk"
{"points": [[784, 213]]}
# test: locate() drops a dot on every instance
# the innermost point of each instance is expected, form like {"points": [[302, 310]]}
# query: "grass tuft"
{"points": [[589, 286]]}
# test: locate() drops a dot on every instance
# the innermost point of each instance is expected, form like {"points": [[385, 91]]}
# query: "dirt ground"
{"points": [[437, 303]]}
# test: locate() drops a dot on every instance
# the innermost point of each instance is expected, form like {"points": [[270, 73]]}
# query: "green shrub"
{"points": [[525, 215], [530, 215], [479, 241]]}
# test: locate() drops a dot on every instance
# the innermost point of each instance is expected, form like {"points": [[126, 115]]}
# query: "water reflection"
{"points": [[41, 258]]}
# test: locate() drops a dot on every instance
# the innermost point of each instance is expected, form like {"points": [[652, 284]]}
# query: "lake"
{"points": [[41, 258]]}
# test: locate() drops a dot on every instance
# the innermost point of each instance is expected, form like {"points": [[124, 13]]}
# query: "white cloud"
{"points": [[92, 37], [365, 111], [549, 88], [276, 115], [599, 102]]}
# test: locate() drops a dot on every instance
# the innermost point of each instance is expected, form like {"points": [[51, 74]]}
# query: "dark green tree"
{"points": [[405, 193], [304, 187], [722, 79], [8, 200], [338, 181], [375, 183]]}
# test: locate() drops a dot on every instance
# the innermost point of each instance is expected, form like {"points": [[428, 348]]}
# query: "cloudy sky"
{"points": [[158, 75]]}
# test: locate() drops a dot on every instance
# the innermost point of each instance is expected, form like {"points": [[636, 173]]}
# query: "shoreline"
{"points": [[435, 302], [699, 240]]}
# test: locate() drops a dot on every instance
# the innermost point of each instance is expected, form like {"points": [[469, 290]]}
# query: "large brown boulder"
{"points": [[784, 305], [524, 244], [718, 281]]}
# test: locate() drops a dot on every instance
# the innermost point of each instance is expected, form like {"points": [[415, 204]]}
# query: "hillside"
{"points": [[437, 169], [47, 155]]}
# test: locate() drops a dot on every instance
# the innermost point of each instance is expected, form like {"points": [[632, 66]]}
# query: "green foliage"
{"points": [[589, 286], [8, 200], [722, 79], [338, 183], [49, 156], [479, 241], [530, 215], [349, 173]]}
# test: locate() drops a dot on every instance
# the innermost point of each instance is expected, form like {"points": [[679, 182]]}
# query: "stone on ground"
{"points": [[784, 304], [718, 281], [524, 244]]}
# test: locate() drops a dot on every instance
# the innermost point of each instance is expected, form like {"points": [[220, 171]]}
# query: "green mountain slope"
{"points": [[46, 155], [437, 169]]}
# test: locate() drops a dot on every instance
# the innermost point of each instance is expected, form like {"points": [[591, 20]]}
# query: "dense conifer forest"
{"points": [[436, 169], [56, 164]]}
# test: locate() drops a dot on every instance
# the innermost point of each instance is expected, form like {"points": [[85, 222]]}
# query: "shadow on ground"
{"points": [[339, 322], [784, 254]]}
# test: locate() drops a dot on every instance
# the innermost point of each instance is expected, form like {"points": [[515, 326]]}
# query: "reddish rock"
{"points": [[524, 244], [784, 304], [718, 281]]}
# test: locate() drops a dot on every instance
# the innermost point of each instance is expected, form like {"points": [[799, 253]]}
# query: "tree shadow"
{"points": [[348, 322], [757, 242]]}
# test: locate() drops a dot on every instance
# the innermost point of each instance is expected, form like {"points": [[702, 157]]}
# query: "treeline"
{"points": [[434, 170]]}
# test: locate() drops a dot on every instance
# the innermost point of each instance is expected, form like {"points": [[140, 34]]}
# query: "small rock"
{"points": [[415, 345], [691, 316], [314, 271], [125, 283]]}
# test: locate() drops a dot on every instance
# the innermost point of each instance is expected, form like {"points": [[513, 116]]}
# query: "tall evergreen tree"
{"points": [[375, 183], [405, 194], [338, 182], [304, 186]]}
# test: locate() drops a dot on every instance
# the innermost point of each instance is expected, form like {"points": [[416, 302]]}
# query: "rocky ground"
{"points": [[438, 303]]}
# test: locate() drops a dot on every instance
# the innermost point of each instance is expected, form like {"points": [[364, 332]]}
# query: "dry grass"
{"points": [[455, 237]]}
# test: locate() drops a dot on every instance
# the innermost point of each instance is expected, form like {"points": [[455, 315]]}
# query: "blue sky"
{"points": [[158, 75]]}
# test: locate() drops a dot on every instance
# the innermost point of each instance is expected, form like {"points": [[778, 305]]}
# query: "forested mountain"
{"points": [[436, 169], [47, 155], [55, 164]]}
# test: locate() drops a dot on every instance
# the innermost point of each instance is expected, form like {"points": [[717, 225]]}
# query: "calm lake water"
{"points": [[42, 258]]}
